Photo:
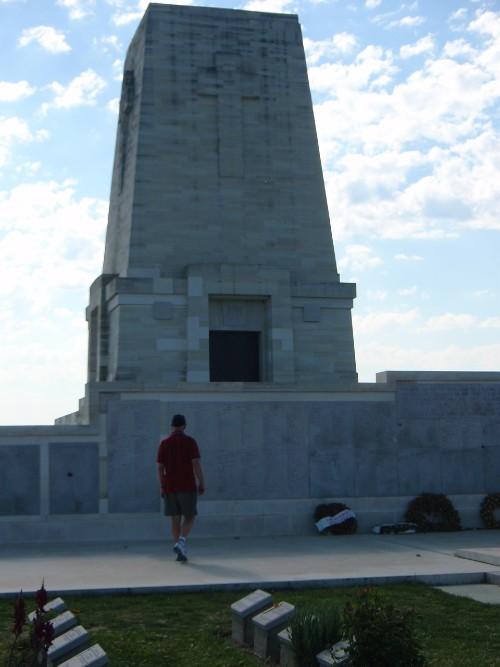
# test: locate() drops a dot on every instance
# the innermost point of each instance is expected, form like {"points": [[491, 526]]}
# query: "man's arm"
{"points": [[161, 473], [198, 472]]}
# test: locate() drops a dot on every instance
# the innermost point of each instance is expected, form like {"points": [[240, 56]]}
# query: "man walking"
{"points": [[181, 480]]}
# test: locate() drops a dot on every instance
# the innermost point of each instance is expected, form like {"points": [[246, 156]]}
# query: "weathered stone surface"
{"points": [[336, 656], [63, 622], [94, 656], [74, 478], [267, 626], [56, 605], [67, 642], [20, 489], [287, 654], [242, 612]]}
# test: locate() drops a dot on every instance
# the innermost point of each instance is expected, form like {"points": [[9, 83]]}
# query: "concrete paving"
{"points": [[486, 593], [248, 563]]}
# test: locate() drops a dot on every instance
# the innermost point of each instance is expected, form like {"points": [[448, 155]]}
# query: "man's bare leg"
{"points": [[187, 524], [176, 527]]}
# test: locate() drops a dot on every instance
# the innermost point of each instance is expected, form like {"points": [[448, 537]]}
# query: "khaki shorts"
{"points": [[177, 504]]}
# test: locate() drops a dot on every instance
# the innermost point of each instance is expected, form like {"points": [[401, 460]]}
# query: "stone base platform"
{"points": [[218, 519]]}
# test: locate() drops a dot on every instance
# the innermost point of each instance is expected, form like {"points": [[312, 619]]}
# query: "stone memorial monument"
{"points": [[220, 299]]}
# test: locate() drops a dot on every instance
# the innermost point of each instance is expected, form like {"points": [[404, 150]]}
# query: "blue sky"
{"points": [[407, 110]]}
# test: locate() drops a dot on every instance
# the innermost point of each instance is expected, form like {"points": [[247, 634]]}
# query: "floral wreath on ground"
{"points": [[335, 519], [489, 504], [433, 512]]}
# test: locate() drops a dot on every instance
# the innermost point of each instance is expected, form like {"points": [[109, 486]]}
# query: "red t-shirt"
{"points": [[176, 453]]}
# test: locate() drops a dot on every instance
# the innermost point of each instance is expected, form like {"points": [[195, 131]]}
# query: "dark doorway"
{"points": [[234, 356]]}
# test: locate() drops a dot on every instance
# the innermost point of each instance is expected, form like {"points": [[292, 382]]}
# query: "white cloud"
{"points": [[379, 356], [50, 238], [424, 45], [78, 9], [407, 22], [340, 43], [269, 5], [124, 18], [372, 4], [372, 68], [47, 37], [460, 321], [459, 14], [377, 295], [358, 257], [113, 105], [29, 168], [13, 92], [452, 321], [81, 91], [408, 291], [377, 182], [457, 48], [14, 130], [486, 23], [378, 321], [118, 69], [401, 257], [128, 13], [110, 43]]}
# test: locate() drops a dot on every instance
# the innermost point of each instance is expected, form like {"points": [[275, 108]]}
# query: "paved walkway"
{"points": [[251, 562]]}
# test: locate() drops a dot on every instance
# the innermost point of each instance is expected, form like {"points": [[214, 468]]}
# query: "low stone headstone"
{"points": [[287, 654], [94, 656], [242, 612], [267, 625], [56, 605], [337, 656], [63, 622], [66, 643]]}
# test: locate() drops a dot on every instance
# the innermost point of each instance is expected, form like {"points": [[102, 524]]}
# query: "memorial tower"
{"points": [[219, 262]]}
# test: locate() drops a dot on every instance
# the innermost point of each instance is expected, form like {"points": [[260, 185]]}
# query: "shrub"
{"points": [[314, 629], [489, 506], [380, 634]]}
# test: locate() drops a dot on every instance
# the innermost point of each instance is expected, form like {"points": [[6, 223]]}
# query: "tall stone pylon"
{"points": [[219, 262]]}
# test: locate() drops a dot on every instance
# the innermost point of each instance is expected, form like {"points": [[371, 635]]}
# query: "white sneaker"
{"points": [[180, 550]]}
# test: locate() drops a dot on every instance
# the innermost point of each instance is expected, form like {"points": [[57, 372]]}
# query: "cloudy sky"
{"points": [[407, 109]]}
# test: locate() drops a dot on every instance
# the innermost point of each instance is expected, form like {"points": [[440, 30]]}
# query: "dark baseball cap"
{"points": [[178, 420]]}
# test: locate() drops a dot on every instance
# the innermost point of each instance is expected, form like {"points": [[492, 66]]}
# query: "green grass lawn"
{"points": [[186, 630]]}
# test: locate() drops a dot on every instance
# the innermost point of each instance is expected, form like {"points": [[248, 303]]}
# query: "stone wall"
{"points": [[269, 457]]}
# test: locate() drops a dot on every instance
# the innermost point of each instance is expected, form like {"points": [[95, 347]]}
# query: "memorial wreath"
{"points": [[433, 512], [335, 519], [489, 505]]}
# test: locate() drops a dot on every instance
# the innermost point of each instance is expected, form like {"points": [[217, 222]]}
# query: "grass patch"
{"points": [[185, 629]]}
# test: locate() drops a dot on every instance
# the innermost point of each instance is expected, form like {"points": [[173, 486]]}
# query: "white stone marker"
{"points": [[267, 625], [336, 656], [242, 612], [287, 654], [67, 642], [63, 622], [57, 604], [94, 656]]}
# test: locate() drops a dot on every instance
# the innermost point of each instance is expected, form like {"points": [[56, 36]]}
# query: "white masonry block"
{"points": [[242, 612], [267, 626], [94, 656]]}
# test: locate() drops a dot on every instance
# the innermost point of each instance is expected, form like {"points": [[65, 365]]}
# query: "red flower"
{"points": [[19, 615], [41, 597]]}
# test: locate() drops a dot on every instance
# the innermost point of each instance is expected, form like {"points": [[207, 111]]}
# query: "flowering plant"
{"points": [[32, 640]]}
